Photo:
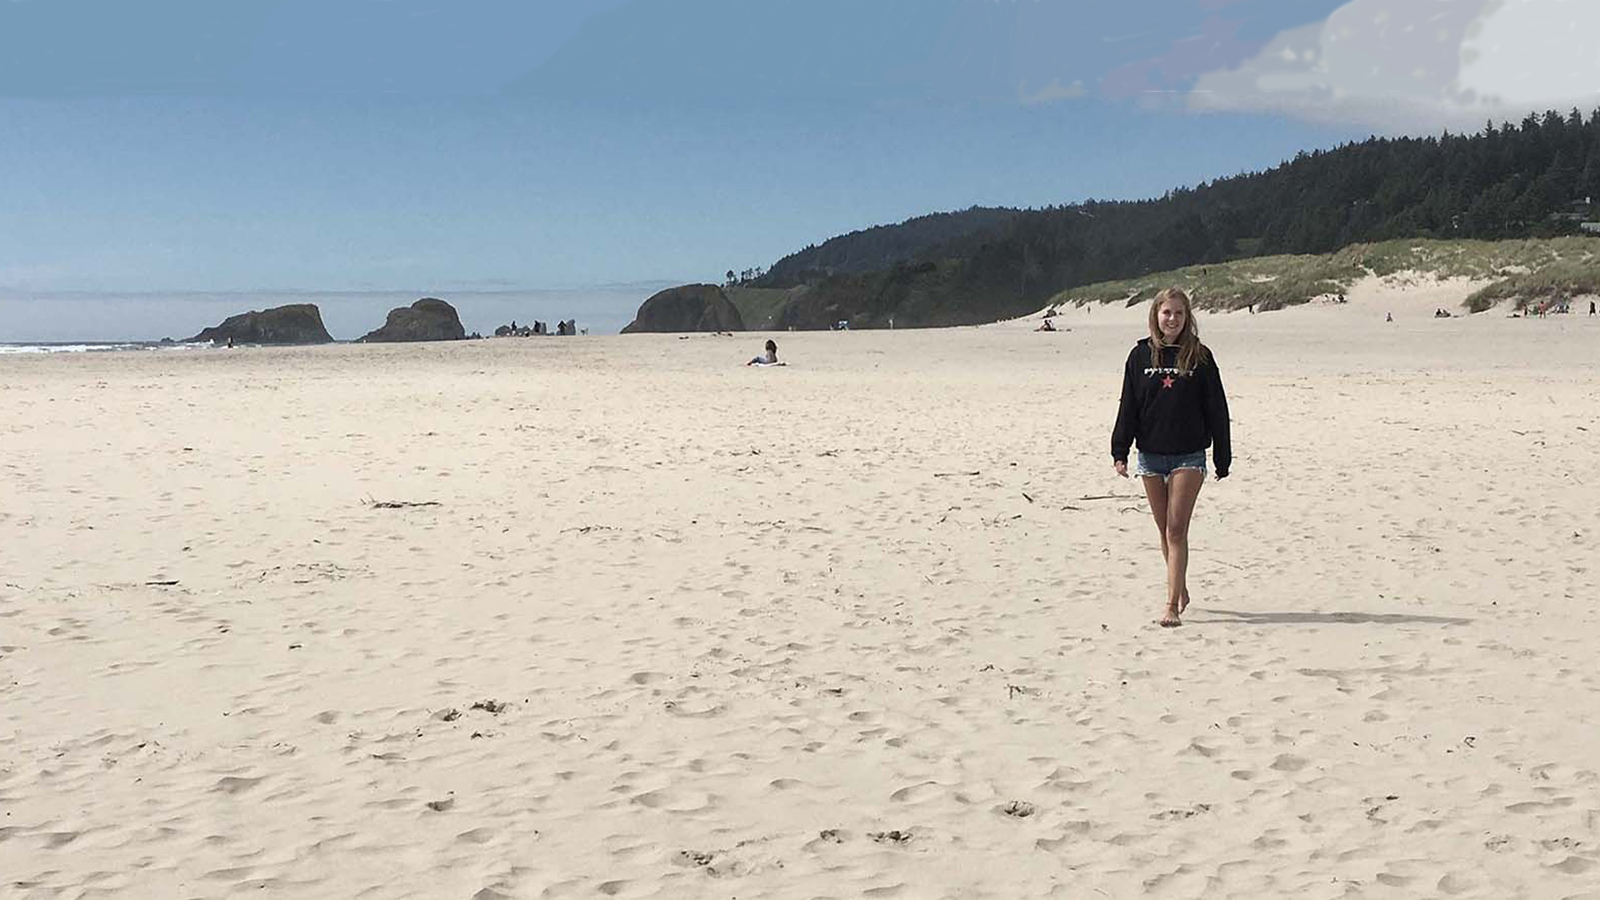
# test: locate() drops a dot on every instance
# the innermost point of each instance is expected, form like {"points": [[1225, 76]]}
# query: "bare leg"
{"points": [[1155, 490], [1183, 489]]}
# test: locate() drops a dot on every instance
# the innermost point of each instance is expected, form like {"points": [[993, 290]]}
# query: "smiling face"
{"points": [[1170, 318]]}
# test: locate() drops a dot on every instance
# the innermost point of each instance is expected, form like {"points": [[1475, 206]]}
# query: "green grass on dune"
{"points": [[1560, 280], [1520, 271], [759, 307]]}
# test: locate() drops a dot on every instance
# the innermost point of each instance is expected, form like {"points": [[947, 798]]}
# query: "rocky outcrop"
{"points": [[691, 307], [428, 319], [297, 323]]}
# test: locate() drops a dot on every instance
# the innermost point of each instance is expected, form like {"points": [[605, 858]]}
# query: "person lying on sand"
{"points": [[770, 358]]}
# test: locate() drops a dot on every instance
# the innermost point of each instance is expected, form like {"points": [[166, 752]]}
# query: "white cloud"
{"points": [[1420, 65], [1051, 92]]}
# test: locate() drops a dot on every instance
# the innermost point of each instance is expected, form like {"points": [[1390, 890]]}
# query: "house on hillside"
{"points": [[1576, 211]]}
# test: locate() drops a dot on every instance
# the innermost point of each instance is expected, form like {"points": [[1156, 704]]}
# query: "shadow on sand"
{"points": [[1328, 618]]}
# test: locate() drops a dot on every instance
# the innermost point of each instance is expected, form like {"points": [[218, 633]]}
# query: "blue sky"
{"points": [[489, 145]]}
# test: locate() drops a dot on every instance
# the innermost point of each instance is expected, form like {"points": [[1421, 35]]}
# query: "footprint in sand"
{"points": [[1287, 762], [1574, 865], [1174, 815], [917, 793], [827, 837], [675, 801], [234, 785], [693, 858], [683, 711]]}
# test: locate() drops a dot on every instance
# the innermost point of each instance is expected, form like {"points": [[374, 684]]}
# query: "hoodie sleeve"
{"points": [[1216, 409], [1127, 413]]}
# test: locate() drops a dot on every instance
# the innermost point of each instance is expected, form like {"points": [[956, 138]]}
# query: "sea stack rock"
{"points": [[297, 323], [428, 319], [691, 307]]}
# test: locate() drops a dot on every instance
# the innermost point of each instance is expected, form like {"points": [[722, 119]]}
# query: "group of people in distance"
{"points": [[1172, 408], [1552, 306]]}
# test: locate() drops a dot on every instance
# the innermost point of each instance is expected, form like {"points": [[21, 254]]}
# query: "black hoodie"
{"points": [[1166, 410]]}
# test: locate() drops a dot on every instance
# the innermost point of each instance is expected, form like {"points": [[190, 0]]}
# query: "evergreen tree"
{"points": [[1508, 180]]}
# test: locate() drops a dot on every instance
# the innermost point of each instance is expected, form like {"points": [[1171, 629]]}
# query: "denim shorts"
{"points": [[1164, 464]]}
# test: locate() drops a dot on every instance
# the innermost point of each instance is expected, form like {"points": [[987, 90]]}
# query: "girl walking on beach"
{"points": [[1173, 407]]}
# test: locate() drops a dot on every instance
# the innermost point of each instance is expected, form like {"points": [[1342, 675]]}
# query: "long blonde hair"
{"points": [[1191, 352]]}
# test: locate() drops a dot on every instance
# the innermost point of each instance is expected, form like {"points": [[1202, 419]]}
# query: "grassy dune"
{"points": [[1521, 271], [759, 307]]}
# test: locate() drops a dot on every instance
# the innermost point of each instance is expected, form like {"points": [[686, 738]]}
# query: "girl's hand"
{"points": [[1121, 465]]}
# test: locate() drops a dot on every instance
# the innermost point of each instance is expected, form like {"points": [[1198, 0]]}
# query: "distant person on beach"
{"points": [[769, 358], [1388, 317], [1173, 407], [1591, 307], [1047, 326]]}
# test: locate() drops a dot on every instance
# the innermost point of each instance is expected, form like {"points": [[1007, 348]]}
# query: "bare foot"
{"points": [[1170, 619], [1184, 603]]}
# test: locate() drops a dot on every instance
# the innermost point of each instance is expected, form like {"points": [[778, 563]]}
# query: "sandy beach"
{"points": [[878, 623]]}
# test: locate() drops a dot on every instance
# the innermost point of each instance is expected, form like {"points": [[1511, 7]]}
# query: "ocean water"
{"points": [[83, 322], [94, 347]]}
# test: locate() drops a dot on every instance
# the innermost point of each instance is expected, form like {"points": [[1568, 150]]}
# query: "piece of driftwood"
{"points": [[953, 474], [400, 504]]}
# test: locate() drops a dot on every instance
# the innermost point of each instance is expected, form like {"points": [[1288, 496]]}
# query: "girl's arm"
{"points": [[1127, 426], [1216, 410]]}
